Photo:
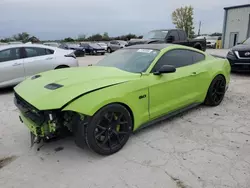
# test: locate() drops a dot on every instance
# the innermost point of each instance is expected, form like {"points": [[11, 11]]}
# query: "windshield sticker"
{"points": [[144, 50]]}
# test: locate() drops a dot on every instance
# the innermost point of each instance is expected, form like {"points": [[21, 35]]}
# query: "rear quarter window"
{"points": [[36, 51], [197, 57], [49, 51]]}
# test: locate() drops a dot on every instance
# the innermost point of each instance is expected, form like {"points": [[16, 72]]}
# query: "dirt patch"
{"points": [[6, 160]]}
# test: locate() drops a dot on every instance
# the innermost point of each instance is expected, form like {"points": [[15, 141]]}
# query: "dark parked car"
{"points": [[239, 57], [93, 48], [175, 36], [78, 50]]}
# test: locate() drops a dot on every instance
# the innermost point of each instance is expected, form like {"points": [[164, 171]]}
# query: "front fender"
{"points": [[127, 93]]}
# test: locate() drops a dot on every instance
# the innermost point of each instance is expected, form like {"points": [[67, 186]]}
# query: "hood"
{"points": [[143, 41], [241, 47], [97, 47], [78, 48], [53, 89]]}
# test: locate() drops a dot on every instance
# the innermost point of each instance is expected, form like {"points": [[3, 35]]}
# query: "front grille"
{"points": [[245, 54], [29, 111]]}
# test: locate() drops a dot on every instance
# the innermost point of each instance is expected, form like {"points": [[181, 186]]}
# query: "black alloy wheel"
{"points": [[109, 130], [216, 91]]}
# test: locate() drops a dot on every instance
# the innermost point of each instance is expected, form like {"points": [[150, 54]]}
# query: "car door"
{"points": [[38, 60], [86, 47], [11, 66], [173, 91], [115, 45]]}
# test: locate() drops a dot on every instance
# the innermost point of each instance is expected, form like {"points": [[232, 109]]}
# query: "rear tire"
{"points": [[109, 129], [216, 91]]}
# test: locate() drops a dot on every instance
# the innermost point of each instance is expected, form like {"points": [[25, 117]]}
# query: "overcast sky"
{"points": [[56, 19]]}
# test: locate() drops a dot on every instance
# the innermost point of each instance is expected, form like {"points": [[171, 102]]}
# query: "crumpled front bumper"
{"points": [[38, 122]]}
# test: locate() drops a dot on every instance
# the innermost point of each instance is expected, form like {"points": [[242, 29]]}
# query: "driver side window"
{"points": [[176, 58]]}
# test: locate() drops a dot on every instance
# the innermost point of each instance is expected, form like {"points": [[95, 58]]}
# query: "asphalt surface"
{"points": [[205, 147]]}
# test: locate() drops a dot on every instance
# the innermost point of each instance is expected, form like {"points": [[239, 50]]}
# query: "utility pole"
{"points": [[199, 31]]}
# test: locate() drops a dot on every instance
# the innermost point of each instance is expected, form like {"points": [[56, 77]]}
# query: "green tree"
{"points": [[81, 37], [216, 34], [34, 39], [183, 19], [24, 37], [8, 39], [95, 37], [105, 36], [68, 39]]}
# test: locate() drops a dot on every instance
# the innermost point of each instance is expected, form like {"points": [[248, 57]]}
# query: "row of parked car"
{"points": [[91, 48], [19, 61]]}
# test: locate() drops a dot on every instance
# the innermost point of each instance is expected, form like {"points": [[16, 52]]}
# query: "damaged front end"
{"points": [[46, 124]]}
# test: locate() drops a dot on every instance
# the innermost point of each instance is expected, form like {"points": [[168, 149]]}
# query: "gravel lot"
{"points": [[205, 147]]}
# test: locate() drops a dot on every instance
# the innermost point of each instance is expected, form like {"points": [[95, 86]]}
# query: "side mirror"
{"points": [[170, 39], [165, 69]]}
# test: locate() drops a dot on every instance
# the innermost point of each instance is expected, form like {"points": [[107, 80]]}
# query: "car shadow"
{"points": [[170, 119], [245, 74], [7, 90], [66, 146]]}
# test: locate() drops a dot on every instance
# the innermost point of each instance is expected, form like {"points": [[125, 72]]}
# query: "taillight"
{"points": [[71, 55]]}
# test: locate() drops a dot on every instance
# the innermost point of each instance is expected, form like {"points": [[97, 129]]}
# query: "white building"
{"points": [[236, 26]]}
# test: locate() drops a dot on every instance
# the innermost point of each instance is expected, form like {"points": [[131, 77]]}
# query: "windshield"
{"points": [[247, 41], [94, 45], [102, 44], [130, 60], [123, 42], [156, 35]]}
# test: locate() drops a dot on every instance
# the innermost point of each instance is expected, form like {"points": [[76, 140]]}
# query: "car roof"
{"points": [[150, 46], [26, 45]]}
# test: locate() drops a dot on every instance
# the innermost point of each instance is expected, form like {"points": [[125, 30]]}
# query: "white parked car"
{"points": [[20, 61]]}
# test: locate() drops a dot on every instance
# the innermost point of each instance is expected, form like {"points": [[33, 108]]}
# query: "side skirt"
{"points": [[167, 116]]}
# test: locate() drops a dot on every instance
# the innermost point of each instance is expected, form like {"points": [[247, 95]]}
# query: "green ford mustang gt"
{"points": [[127, 90]]}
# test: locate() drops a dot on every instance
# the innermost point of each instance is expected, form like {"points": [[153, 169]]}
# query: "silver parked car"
{"points": [[104, 45], [20, 61], [115, 45]]}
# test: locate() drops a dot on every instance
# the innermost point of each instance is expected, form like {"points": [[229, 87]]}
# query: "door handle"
{"points": [[49, 58], [17, 64]]}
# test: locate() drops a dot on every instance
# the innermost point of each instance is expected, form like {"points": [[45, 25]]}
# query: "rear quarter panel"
{"points": [[126, 93], [217, 66]]}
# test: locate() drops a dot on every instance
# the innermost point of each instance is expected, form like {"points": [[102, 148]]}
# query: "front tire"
{"points": [[216, 91], [109, 50], [109, 129]]}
